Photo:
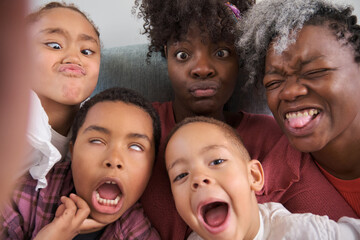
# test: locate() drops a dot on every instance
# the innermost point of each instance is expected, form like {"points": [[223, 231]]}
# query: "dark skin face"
{"points": [[312, 90], [203, 75]]}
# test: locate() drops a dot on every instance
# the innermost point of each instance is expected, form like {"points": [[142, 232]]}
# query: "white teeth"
{"points": [[306, 113], [107, 202], [110, 182]]}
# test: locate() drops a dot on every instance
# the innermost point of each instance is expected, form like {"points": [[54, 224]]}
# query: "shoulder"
{"points": [[133, 224]]}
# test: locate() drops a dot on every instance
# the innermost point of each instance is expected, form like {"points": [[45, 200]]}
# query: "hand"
{"points": [[68, 220]]}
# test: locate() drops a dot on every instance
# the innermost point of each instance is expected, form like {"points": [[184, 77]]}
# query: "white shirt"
{"points": [[47, 147], [276, 223]]}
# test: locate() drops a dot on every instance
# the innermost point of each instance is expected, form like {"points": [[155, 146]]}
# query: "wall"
{"points": [[118, 27]]}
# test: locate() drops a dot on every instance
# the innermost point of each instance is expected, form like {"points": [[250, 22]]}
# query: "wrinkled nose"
{"points": [[293, 88], [203, 68]]}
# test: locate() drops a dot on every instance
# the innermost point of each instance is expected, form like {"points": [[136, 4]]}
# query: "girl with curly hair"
{"points": [[197, 38], [307, 55]]}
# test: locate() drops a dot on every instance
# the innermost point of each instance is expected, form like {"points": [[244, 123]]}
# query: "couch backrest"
{"points": [[126, 66]]}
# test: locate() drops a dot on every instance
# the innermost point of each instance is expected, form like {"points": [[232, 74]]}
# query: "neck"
{"points": [[341, 157], [60, 116], [180, 113]]}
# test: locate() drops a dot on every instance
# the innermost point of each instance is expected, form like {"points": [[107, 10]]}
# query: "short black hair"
{"points": [[118, 94]]}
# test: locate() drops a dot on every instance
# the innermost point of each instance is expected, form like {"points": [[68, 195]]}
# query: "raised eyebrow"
{"points": [[177, 161], [97, 129], [86, 37], [139, 135], [211, 147], [53, 31]]}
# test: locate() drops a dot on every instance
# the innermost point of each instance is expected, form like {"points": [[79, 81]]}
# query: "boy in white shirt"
{"points": [[213, 182]]}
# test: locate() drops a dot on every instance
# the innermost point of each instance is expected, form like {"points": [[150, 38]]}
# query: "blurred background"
{"points": [[118, 27]]}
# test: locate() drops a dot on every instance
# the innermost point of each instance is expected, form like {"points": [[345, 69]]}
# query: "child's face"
{"points": [[67, 57], [317, 102], [112, 158], [203, 74], [213, 183]]}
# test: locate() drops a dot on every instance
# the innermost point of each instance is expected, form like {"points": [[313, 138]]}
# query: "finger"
{"points": [[60, 210], [70, 207], [89, 225], [83, 209]]}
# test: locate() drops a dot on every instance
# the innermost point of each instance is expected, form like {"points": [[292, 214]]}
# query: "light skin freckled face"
{"points": [[124, 137], [203, 74], [317, 72], [67, 57], [204, 164]]}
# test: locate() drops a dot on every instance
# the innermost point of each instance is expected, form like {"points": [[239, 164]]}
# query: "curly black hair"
{"points": [[118, 94], [279, 21], [170, 19]]}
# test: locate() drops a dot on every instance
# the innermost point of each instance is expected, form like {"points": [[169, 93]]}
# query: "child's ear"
{"points": [[256, 175]]}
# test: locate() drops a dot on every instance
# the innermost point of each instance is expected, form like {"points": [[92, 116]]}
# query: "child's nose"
{"points": [[200, 181], [72, 56], [203, 68], [113, 159]]}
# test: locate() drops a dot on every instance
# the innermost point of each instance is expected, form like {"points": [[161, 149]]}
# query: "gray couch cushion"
{"points": [[126, 66]]}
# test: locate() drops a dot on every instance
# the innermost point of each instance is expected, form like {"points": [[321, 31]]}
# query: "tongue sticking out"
{"points": [[108, 191], [299, 122], [215, 214]]}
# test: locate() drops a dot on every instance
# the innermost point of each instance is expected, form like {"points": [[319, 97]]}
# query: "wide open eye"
{"points": [[182, 56], [87, 52], [54, 45], [223, 53]]}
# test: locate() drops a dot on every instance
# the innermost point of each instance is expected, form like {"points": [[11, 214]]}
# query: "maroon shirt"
{"points": [[291, 177]]}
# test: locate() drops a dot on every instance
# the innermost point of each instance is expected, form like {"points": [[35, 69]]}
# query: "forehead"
{"points": [[197, 136], [313, 42], [118, 116], [66, 19]]}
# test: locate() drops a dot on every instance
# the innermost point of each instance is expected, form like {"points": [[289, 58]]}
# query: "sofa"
{"points": [[127, 66]]}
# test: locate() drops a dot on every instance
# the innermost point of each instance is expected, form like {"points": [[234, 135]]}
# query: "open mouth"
{"points": [[107, 198], [301, 118], [214, 216]]}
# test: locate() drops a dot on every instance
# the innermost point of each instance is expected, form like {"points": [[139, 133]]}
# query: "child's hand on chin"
{"points": [[70, 220]]}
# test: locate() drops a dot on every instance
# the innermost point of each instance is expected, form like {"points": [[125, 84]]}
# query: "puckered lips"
{"points": [[301, 122], [204, 89], [108, 196], [72, 70], [214, 215]]}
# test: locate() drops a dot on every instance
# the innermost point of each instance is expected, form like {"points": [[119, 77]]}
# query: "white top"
{"points": [[47, 147], [276, 222]]}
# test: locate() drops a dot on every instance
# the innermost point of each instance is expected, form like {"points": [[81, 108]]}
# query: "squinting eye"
{"points": [[182, 56], [222, 53], [180, 176], [217, 162], [54, 45], [136, 147], [87, 52]]}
